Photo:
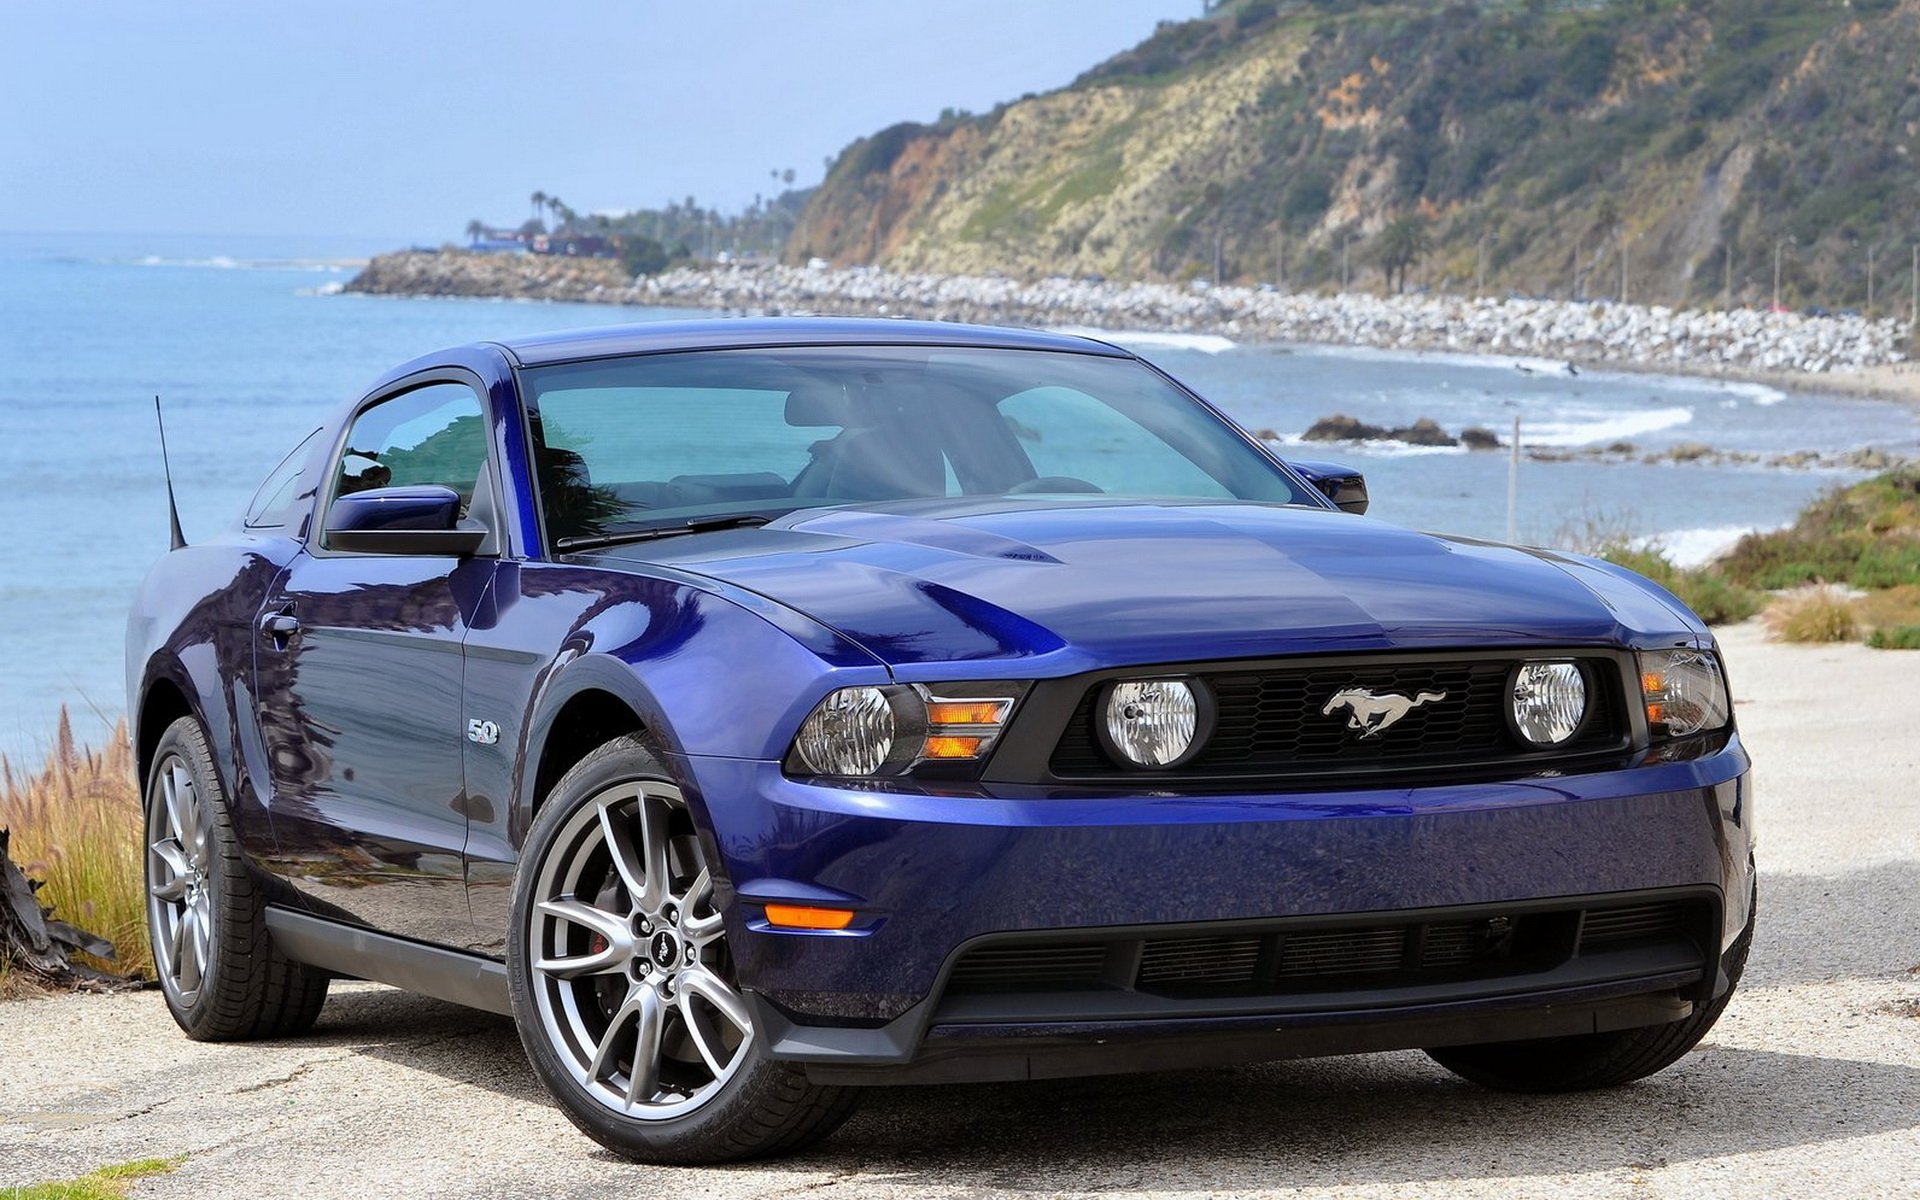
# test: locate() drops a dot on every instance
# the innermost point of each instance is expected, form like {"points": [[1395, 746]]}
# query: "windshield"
{"points": [[656, 441]]}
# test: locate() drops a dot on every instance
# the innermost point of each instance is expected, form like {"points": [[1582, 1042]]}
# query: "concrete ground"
{"points": [[1809, 1086]]}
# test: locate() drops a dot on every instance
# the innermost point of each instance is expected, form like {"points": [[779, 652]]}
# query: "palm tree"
{"points": [[1404, 242], [476, 228], [539, 201]]}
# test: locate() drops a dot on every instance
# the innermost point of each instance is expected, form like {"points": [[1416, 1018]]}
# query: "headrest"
{"points": [[820, 404]]}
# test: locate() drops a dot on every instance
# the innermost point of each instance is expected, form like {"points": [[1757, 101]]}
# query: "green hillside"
{"points": [[1537, 145]]}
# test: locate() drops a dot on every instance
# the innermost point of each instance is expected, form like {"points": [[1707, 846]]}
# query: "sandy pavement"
{"points": [[1809, 1086]]}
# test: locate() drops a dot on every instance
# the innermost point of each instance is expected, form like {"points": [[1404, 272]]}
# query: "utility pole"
{"points": [[1870, 250], [1913, 313], [1218, 240], [1726, 289], [1280, 262], [1513, 486], [1623, 271], [1346, 277], [1480, 266], [1776, 272]]}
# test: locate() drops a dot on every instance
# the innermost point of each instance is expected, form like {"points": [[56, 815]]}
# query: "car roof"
{"points": [[658, 337]]}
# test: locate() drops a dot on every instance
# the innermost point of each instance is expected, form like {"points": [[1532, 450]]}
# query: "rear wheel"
{"points": [[1594, 1060], [623, 984], [219, 971]]}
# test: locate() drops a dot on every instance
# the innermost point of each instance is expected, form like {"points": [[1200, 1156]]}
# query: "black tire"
{"points": [[246, 988], [762, 1107], [1595, 1060]]}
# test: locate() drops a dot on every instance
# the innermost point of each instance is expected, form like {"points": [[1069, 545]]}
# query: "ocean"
{"points": [[249, 349]]}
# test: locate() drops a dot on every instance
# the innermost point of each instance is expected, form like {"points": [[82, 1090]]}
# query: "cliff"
{"points": [[1534, 148]]}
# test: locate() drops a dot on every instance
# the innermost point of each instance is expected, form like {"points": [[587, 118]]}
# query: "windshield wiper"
{"points": [[593, 541]]}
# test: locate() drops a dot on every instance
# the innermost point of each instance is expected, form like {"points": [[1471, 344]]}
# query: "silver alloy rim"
{"points": [[179, 893], [629, 957]]}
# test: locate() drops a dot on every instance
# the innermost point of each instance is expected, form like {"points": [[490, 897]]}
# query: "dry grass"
{"points": [[76, 825], [1892, 608], [1812, 614]]}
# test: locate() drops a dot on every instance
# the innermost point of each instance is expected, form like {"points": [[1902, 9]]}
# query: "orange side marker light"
{"points": [[798, 916]]}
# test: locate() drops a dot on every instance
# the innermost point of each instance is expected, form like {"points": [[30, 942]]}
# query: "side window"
{"points": [[273, 504], [1069, 434], [432, 434]]}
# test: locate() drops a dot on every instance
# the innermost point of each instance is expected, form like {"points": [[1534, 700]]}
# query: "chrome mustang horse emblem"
{"points": [[1371, 714]]}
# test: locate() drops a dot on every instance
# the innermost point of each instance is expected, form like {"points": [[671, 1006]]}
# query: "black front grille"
{"points": [[1303, 956], [1274, 721], [1217, 960], [1342, 952], [1014, 968], [1611, 927]]}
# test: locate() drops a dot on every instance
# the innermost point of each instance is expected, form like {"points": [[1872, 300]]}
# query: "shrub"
{"points": [[1815, 614], [1894, 606], [1895, 637], [1716, 600], [76, 825], [1867, 536], [640, 255]]}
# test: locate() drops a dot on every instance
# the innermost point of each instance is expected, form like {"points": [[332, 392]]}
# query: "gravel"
{"points": [[1810, 1084]]}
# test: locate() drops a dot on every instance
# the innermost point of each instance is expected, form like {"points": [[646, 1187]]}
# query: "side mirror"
{"points": [[403, 520], [1346, 487]]}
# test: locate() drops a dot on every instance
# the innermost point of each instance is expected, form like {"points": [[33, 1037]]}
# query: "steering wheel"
{"points": [[1055, 483]]}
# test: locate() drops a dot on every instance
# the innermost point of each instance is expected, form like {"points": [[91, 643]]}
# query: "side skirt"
{"points": [[411, 966]]}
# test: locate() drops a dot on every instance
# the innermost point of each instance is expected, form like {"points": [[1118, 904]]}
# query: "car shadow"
{"points": [[1351, 1122], [461, 1045], [1329, 1122]]}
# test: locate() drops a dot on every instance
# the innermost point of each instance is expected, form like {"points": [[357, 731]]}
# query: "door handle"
{"points": [[280, 627]]}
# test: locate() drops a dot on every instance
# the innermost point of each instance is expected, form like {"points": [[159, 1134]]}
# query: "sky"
{"points": [[401, 120]]}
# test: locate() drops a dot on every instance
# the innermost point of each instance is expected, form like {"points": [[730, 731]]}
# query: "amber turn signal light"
{"points": [[800, 916], [967, 712], [942, 746]]}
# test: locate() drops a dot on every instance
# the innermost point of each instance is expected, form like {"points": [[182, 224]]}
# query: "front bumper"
{"points": [[935, 875]]}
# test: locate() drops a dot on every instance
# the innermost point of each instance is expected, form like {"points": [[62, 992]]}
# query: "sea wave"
{"points": [[1697, 547], [1205, 343], [1759, 393], [1525, 364], [222, 262], [1579, 426], [1370, 449]]}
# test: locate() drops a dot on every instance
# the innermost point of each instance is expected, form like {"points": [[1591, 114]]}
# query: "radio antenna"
{"points": [[173, 509]]}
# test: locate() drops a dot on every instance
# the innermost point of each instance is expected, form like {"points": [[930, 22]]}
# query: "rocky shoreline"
{"points": [[1351, 431], [1692, 341]]}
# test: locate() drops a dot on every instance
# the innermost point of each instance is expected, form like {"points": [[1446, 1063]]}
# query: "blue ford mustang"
{"points": [[759, 709]]}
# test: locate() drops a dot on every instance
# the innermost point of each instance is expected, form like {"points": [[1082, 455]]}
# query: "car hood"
{"points": [[1131, 582]]}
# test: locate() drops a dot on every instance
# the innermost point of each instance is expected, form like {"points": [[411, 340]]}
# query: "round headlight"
{"points": [[1549, 702], [852, 732], [1152, 722]]}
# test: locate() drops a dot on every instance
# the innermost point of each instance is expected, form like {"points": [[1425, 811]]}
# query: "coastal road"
{"points": [[1809, 1086]]}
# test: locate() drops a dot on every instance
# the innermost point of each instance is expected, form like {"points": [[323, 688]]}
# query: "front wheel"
{"points": [[623, 985], [1595, 1060]]}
